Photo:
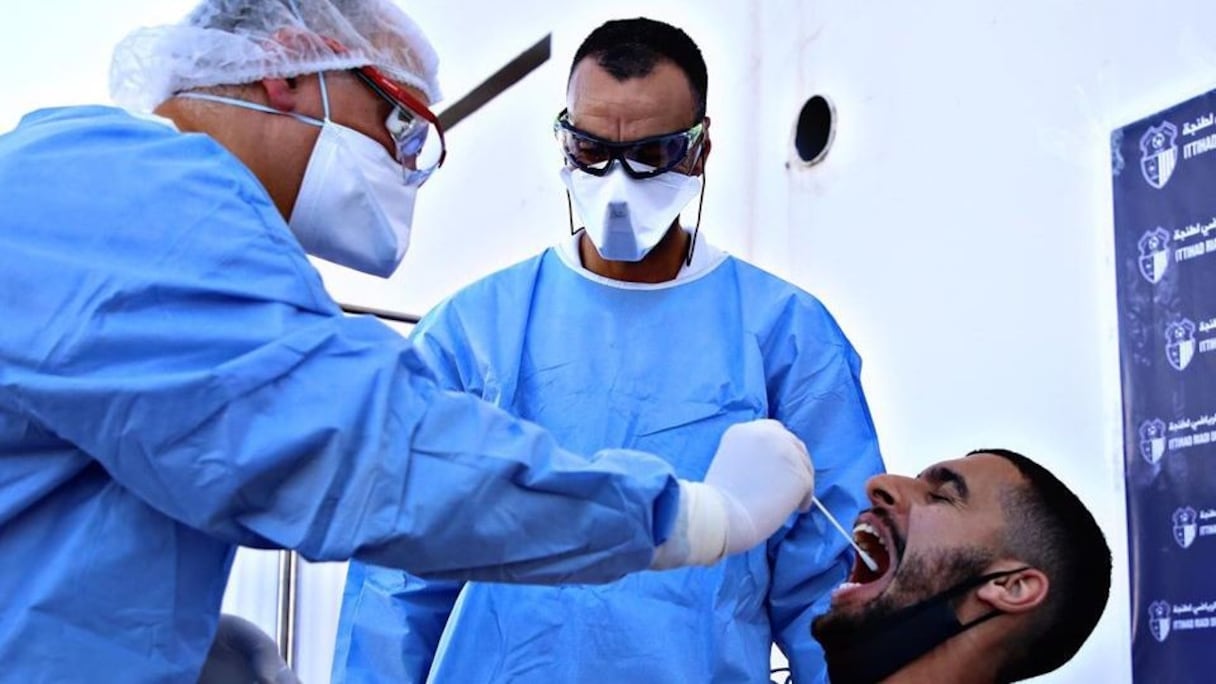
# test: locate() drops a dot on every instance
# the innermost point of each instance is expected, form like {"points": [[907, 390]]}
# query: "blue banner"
{"points": [[1165, 252]]}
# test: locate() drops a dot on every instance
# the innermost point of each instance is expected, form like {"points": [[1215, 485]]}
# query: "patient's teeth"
{"points": [[846, 586], [869, 529]]}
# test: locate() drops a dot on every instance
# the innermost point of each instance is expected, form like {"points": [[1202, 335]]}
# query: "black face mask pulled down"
{"points": [[879, 650]]}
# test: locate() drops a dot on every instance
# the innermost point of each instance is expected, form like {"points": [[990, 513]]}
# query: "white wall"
{"points": [[57, 52], [960, 229]]}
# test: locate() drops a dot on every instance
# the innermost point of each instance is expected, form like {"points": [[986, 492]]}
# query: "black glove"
{"points": [[244, 654]]}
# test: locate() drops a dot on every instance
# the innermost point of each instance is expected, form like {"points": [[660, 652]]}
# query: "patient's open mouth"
{"points": [[868, 539], [863, 583]]}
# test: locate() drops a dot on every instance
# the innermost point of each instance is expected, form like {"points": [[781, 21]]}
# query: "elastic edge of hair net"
{"points": [[141, 80]]}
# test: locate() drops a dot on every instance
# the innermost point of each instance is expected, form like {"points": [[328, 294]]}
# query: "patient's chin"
{"points": [[840, 624], [828, 628]]}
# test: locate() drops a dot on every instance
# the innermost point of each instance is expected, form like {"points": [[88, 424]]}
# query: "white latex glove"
{"points": [[765, 474], [760, 475]]}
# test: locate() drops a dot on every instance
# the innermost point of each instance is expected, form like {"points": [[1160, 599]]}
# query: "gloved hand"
{"points": [[760, 475], [765, 473], [243, 653]]}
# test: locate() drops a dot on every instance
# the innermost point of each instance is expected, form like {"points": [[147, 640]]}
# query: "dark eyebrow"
{"points": [[943, 475]]}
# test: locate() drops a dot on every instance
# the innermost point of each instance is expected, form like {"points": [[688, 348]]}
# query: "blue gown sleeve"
{"points": [[815, 390], [391, 621], [179, 337]]}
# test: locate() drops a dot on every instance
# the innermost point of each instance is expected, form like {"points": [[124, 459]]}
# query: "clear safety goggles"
{"points": [[643, 158], [414, 128]]}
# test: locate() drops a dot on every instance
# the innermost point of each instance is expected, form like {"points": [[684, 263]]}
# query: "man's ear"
{"points": [[1017, 592], [282, 94]]}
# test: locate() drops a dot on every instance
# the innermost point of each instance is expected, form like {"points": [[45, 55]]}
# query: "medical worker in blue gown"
{"points": [[175, 381], [640, 334]]}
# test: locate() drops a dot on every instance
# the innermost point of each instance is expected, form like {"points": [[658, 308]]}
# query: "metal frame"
{"points": [[285, 622]]}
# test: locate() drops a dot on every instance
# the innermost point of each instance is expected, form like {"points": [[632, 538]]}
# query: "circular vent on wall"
{"points": [[814, 130]]}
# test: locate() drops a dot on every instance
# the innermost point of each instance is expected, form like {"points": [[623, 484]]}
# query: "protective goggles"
{"points": [[420, 149], [645, 158]]}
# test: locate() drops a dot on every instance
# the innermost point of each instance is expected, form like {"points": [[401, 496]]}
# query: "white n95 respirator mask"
{"points": [[626, 217], [353, 208]]}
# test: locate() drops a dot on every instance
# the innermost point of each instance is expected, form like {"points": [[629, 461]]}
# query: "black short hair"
{"points": [[630, 48], [1048, 527]]}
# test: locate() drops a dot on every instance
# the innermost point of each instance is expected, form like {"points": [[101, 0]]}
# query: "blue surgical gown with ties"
{"points": [[664, 368], [174, 381]]}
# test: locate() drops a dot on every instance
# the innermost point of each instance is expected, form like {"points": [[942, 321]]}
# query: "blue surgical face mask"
{"points": [[352, 208]]}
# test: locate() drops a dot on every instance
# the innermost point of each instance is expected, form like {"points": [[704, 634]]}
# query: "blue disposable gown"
{"points": [[664, 369], [174, 381]]}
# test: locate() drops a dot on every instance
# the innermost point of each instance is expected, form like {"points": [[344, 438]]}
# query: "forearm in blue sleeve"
{"points": [[329, 437]]}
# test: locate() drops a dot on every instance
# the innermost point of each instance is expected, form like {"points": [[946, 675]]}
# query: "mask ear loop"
{"points": [[570, 213], [984, 580], [692, 245], [263, 108]]}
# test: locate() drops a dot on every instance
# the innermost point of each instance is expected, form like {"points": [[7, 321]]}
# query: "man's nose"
{"points": [[890, 491]]}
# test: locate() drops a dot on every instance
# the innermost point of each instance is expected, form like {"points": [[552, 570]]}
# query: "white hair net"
{"points": [[229, 42]]}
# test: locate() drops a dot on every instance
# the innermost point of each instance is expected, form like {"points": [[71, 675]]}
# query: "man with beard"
{"points": [[989, 571]]}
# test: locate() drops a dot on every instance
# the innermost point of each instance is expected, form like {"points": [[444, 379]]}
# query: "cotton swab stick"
{"points": [[865, 557]]}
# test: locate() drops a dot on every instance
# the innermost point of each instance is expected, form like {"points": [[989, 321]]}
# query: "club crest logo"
{"points": [[1180, 343], [1152, 440], [1159, 154], [1185, 526], [1154, 254], [1159, 620]]}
